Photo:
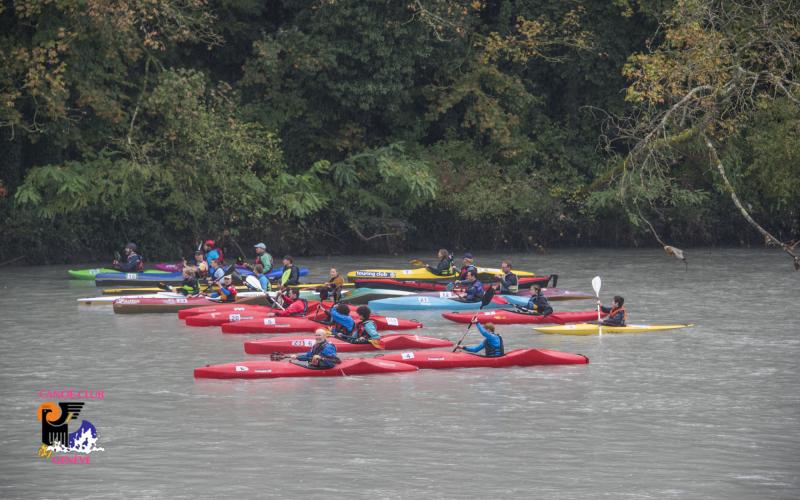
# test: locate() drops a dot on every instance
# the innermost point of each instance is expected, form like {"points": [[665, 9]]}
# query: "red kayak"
{"points": [[250, 313], [171, 304], [277, 369], [391, 342], [219, 308], [299, 325], [519, 357], [427, 286], [504, 317]]}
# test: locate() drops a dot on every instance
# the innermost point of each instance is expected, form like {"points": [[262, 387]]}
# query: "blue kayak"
{"points": [[423, 302], [118, 278]]}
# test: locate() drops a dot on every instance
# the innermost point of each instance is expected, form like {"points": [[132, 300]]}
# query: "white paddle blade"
{"points": [[253, 283], [596, 284]]}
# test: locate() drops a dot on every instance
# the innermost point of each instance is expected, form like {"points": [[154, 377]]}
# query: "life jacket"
{"points": [[259, 261], [317, 350], [305, 307], [494, 352], [232, 296], [361, 330], [513, 289], [624, 314], [464, 269], [140, 264]]}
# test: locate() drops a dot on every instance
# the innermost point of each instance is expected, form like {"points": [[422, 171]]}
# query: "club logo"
{"points": [[59, 444]]}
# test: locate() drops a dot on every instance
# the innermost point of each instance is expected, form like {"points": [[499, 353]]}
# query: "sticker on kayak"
{"points": [[303, 343], [375, 274], [132, 276], [240, 368], [408, 271], [423, 300], [407, 355], [446, 295], [269, 321], [235, 317], [181, 301], [392, 321]]}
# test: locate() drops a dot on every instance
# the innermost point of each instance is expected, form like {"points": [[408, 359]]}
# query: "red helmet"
{"points": [[209, 243]]}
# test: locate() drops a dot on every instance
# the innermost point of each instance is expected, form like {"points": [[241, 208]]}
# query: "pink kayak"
{"points": [[278, 369], [249, 313], [503, 317], [220, 308], [520, 357], [170, 268], [299, 325], [171, 304], [300, 343]]}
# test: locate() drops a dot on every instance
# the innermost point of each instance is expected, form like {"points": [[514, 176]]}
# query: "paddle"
{"points": [[253, 283], [417, 263], [596, 283], [487, 297]]}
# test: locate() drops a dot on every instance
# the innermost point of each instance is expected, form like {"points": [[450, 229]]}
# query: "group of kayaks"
{"points": [[384, 290]]}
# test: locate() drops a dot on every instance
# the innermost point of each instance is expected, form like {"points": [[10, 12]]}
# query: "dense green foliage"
{"points": [[347, 126]]}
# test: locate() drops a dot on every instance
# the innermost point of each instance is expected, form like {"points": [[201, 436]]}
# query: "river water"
{"points": [[708, 412]]}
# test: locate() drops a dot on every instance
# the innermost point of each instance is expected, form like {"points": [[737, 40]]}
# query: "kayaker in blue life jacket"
{"points": [[227, 292], [258, 270], [133, 262], [445, 265], [321, 356], [291, 273], [473, 291], [509, 283], [212, 253], [617, 315], [365, 331], [342, 325], [492, 342], [216, 272], [538, 305]]}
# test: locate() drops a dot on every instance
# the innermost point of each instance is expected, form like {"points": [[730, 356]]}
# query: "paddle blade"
{"points": [[417, 263], [596, 284], [377, 344], [487, 297], [252, 282]]}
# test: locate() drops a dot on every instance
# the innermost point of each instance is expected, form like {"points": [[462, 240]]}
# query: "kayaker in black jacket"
{"points": [[617, 315], [291, 274], [190, 284], [538, 305], [509, 283], [133, 262], [445, 265]]}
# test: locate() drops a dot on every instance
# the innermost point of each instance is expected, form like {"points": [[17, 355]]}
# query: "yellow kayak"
{"points": [[422, 274], [592, 329]]}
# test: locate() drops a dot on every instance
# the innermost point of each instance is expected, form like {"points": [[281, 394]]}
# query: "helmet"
{"points": [[132, 246], [209, 243]]}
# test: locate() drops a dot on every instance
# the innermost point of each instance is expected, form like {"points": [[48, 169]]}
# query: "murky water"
{"points": [[708, 412]]}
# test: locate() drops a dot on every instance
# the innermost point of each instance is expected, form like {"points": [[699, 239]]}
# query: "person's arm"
{"points": [[293, 308], [372, 330], [605, 309], [306, 356], [345, 320], [475, 348]]}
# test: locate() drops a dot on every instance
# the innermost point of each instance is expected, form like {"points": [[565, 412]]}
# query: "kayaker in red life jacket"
{"points": [[474, 289], [445, 265], [617, 315], [492, 342], [365, 331], [321, 356], [227, 292], [293, 304], [468, 266], [133, 262]]}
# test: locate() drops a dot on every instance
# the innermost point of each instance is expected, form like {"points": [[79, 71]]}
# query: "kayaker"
{"points": [[293, 304], [492, 342], [365, 331], [617, 315], [333, 287], [474, 289], [190, 284], [133, 262], [509, 283], [201, 264], [262, 257], [212, 253], [227, 292], [291, 274], [258, 270], [216, 273], [468, 265], [342, 325], [445, 265], [321, 356], [538, 305]]}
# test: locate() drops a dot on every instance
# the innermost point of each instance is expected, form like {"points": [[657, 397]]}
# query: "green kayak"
{"points": [[88, 274]]}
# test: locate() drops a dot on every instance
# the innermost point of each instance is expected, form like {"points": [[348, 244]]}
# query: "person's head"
{"points": [[343, 309], [443, 253], [215, 263], [260, 248], [199, 256], [618, 300], [489, 326], [363, 312], [468, 258], [188, 271], [505, 266], [293, 293], [226, 280], [471, 275], [258, 269], [320, 335], [287, 260], [334, 272], [208, 245], [536, 289], [130, 248]]}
